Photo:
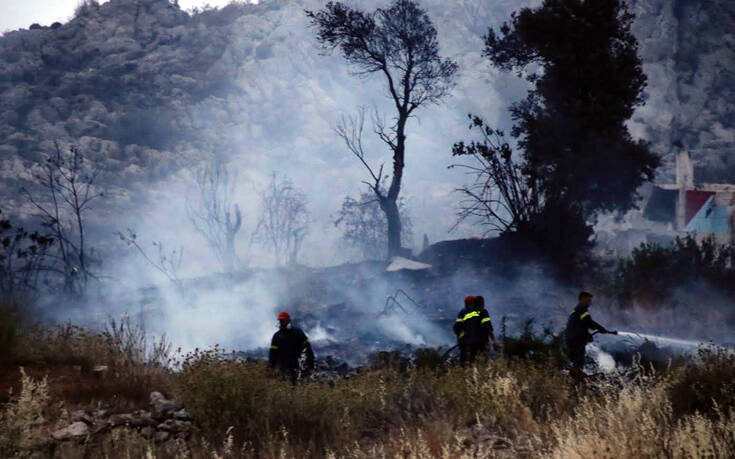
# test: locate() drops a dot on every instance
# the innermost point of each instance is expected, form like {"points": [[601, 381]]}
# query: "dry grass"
{"points": [[506, 408], [68, 355], [638, 422]]}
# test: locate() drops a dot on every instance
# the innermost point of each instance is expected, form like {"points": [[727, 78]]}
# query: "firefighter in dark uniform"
{"points": [[473, 329], [577, 333], [287, 346]]}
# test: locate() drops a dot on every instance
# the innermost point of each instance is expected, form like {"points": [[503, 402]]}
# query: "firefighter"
{"points": [[487, 324], [577, 333], [287, 346], [473, 329]]}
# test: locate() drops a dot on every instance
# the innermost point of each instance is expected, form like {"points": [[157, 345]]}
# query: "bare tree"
{"points": [[213, 214], [284, 220], [400, 43], [502, 196], [166, 262], [69, 182]]}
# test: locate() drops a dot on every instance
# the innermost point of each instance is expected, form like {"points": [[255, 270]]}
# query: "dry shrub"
{"points": [[63, 345], [632, 422], [508, 395], [10, 318], [701, 387], [700, 436], [127, 443], [435, 439], [23, 418], [638, 421], [372, 410], [70, 353]]}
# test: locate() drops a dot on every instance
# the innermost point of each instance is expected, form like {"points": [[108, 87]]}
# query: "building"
{"points": [[687, 207]]}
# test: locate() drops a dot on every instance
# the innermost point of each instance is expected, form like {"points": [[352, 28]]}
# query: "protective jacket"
{"points": [[578, 326], [473, 327], [287, 346]]}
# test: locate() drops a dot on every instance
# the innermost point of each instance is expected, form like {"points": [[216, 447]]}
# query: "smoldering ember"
{"points": [[367, 229]]}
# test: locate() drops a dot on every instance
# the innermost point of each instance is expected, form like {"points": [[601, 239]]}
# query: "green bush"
{"points": [[546, 348], [656, 271]]}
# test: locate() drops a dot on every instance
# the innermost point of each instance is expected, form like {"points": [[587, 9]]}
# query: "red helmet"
{"points": [[284, 316], [469, 300]]}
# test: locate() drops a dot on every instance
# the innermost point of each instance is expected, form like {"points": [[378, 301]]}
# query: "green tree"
{"points": [[586, 78], [400, 43]]}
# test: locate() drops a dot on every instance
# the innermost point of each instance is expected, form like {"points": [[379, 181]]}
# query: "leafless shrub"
{"points": [[166, 262], [502, 196], [213, 214], [284, 220], [128, 338], [69, 184]]}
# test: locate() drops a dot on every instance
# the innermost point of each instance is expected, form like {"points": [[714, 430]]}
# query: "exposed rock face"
{"points": [[688, 49], [115, 80]]}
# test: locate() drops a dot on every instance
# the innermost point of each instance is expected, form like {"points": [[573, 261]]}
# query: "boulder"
{"points": [[161, 406], [100, 369], [156, 397], [100, 425], [81, 415], [182, 415], [75, 430]]}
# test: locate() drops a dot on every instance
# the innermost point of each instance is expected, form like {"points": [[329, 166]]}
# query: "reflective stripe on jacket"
{"points": [[578, 326], [473, 326]]}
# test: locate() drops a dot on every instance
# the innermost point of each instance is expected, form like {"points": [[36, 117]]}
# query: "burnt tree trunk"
{"points": [[389, 204]]}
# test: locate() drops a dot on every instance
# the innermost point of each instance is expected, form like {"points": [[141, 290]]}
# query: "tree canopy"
{"points": [[399, 42], [582, 59], [575, 156]]}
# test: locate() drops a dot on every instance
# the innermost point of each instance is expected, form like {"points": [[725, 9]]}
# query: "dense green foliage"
{"points": [[572, 126], [657, 272], [576, 157]]}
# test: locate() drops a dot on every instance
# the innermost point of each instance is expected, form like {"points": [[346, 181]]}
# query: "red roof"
{"points": [[695, 201]]}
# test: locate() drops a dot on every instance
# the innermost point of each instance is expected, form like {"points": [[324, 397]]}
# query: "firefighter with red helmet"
{"points": [[289, 343]]}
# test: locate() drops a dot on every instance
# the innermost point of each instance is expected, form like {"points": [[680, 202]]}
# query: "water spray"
{"points": [[662, 340]]}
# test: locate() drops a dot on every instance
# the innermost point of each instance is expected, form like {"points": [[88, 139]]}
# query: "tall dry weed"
{"points": [[632, 422], [22, 420], [704, 436]]}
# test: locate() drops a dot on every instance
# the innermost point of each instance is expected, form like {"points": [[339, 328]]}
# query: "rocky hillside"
{"points": [[147, 89], [119, 80], [688, 47]]}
